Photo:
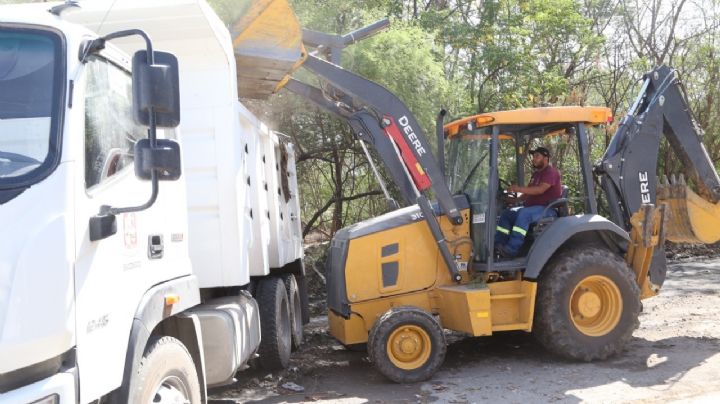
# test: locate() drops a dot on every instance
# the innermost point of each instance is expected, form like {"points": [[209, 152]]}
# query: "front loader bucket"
{"points": [[691, 219], [267, 40]]}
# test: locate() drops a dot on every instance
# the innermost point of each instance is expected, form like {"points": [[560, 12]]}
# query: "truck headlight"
{"points": [[51, 399]]}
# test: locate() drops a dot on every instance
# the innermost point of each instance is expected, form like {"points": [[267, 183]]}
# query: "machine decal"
{"points": [[390, 271], [390, 249], [479, 218], [412, 137], [100, 322], [132, 265], [130, 231], [419, 176], [644, 189]]}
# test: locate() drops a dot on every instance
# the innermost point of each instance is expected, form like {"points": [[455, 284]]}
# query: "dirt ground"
{"points": [[673, 356]]}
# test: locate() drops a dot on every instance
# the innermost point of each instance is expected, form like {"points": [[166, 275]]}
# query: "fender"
{"points": [[565, 228], [152, 311]]}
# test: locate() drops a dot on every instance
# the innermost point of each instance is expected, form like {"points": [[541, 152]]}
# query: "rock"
{"points": [[293, 387]]}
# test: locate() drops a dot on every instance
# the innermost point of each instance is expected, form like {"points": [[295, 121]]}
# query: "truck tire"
{"points": [[407, 345], [166, 374], [275, 334], [296, 320], [588, 304]]}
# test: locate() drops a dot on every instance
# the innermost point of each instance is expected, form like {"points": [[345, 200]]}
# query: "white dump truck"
{"points": [[150, 240]]}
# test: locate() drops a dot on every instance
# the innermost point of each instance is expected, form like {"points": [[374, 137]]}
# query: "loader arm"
{"points": [[379, 118], [628, 173]]}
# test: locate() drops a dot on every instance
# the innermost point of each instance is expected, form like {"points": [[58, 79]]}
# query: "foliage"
{"points": [[473, 56]]}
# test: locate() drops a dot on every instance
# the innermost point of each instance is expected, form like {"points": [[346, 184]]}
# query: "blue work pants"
{"points": [[514, 223]]}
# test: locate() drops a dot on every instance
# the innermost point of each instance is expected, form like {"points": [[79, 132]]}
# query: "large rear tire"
{"points": [[587, 305], [407, 345], [166, 374], [275, 334], [296, 320]]}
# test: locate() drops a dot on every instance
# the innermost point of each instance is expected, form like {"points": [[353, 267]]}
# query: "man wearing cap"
{"points": [[543, 188]]}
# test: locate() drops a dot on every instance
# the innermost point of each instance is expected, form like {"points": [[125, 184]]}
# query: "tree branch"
{"points": [[330, 203]]}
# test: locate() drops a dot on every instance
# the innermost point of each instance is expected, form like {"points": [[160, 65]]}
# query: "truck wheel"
{"points": [[166, 374], [296, 321], [588, 304], [407, 345], [275, 335]]}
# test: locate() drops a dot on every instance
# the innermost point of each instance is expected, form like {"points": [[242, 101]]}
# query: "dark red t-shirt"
{"points": [[548, 175]]}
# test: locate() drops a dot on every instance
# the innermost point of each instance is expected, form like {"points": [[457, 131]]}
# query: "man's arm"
{"points": [[533, 190]]}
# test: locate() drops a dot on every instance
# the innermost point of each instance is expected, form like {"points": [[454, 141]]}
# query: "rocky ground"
{"points": [[673, 356]]}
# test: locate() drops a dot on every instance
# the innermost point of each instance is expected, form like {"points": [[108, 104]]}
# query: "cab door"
{"points": [[149, 247]]}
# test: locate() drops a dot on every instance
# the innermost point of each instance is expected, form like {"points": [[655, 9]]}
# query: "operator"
{"points": [[544, 187]]}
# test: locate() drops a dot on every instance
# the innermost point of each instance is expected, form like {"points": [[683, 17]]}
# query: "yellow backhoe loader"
{"points": [[397, 280]]}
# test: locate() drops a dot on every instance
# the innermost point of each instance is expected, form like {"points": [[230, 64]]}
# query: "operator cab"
{"points": [[486, 153]]}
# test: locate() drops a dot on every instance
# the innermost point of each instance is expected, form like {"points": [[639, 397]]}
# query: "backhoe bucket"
{"points": [[691, 219], [267, 39]]}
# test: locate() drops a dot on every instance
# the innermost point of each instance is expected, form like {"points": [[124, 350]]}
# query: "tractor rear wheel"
{"points": [[587, 305], [407, 345]]}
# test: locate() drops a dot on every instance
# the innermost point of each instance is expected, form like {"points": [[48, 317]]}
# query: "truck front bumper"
{"points": [[56, 389]]}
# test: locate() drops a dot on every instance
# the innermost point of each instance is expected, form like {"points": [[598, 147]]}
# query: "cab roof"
{"points": [[527, 119]]}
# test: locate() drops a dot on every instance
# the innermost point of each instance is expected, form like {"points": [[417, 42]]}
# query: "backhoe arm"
{"points": [[630, 163], [628, 176]]}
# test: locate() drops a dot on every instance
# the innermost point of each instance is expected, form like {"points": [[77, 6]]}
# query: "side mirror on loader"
{"points": [[156, 103]]}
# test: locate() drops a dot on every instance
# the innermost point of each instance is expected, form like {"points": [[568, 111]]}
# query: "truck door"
{"points": [[114, 273]]}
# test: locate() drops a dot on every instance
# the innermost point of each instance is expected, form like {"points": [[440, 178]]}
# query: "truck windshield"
{"points": [[29, 97]]}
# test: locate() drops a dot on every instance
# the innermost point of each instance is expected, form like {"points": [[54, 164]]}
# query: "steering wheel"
{"points": [[504, 194], [18, 158]]}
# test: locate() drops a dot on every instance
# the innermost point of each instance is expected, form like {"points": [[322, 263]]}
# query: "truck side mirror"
{"points": [[164, 158], [156, 85]]}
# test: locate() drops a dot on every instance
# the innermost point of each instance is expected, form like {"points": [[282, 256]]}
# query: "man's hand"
{"points": [[514, 188]]}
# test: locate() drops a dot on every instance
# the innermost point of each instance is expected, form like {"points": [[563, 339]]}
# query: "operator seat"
{"points": [[560, 206]]}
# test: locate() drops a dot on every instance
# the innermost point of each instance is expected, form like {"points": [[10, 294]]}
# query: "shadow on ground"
{"points": [[674, 354], [511, 367]]}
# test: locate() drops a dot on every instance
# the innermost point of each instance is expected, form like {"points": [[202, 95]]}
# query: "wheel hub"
{"points": [[408, 347], [596, 306], [408, 344], [589, 304], [171, 391]]}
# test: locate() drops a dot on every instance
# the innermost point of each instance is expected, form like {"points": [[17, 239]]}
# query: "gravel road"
{"points": [[673, 356]]}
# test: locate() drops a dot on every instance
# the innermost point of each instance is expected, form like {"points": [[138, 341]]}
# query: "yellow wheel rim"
{"points": [[596, 306], [409, 347]]}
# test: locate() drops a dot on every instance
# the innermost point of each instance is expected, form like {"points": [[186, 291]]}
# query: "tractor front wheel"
{"points": [[407, 345]]}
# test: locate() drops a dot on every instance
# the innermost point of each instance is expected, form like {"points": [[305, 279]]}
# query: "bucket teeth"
{"points": [[691, 219]]}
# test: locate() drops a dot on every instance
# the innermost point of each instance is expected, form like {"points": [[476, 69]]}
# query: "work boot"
{"points": [[505, 251]]}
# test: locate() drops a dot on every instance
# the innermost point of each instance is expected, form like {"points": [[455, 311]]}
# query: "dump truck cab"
{"points": [[116, 287], [67, 144]]}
